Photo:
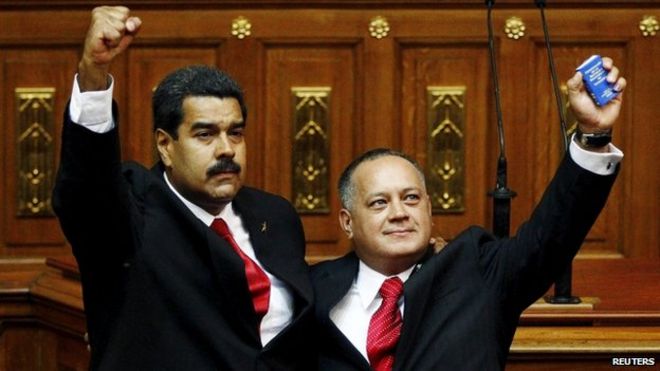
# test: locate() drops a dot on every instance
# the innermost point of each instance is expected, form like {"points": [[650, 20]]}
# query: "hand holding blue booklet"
{"points": [[595, 80]]}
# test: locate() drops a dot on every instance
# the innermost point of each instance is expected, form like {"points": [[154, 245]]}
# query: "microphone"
{"points": [[553, 73], [502, 195], [563, 284]]}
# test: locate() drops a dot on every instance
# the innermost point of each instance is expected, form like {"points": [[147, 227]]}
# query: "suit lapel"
{"points": [[226, 265], [230, 270], [331, 286], [275, 256], [416, 293], [272, 256]]}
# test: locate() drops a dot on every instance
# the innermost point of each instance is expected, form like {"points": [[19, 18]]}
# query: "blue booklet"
{"points": [[595, 80]]}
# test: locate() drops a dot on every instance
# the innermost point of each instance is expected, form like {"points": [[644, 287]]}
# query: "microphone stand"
{"points": [[563, 284], [502, 195]]}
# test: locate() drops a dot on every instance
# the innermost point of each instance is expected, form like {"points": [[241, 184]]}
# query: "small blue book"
{"points": [[595, 80]]}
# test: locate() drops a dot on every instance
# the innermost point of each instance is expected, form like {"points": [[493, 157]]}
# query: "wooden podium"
{"points": [[620, 318]]}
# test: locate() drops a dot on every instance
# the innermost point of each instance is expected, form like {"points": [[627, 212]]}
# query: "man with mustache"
{"points": [[182, 267], [392, 305]]}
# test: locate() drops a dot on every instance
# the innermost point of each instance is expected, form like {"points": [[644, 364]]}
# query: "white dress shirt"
{"points": [[353, 312], [94, 111]]}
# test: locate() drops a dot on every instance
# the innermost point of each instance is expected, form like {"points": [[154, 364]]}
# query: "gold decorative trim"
{"points": [[35, 150], [446, 145], [310, 156], [514, 28], [379, 27], [649, 25], [241, 27]]}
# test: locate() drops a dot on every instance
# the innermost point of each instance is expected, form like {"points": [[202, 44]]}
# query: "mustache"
{"points": [[224, 165]]}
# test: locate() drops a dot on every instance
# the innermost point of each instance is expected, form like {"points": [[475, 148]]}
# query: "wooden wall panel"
{"points": [[460, 64], [379, 81], [640, 229], [31, 68], [31, 349], [604, 237], [332, 66]]}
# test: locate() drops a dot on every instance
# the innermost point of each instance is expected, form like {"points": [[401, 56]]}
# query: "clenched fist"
{"points": [[110, 32]]}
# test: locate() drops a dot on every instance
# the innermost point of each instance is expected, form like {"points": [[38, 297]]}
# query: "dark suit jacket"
{"points": [[161, 290], [463, 304]]}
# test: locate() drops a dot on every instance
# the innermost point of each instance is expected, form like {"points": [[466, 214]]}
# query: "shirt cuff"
{"points": [[596, 162], [92, 109]]}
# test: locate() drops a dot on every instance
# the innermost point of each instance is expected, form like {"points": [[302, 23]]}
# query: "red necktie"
{"points": [[258, 282], [385, 326]]}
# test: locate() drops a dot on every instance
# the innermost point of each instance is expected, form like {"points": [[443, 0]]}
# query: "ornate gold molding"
{"points": [[514, 28], [35, 161], [311, 149], [649, 26], [379, 27], [241, 27], [446, 146]]}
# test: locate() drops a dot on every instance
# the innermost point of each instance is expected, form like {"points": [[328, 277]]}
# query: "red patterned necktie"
{"points": [[258, 282], [385, 326]]}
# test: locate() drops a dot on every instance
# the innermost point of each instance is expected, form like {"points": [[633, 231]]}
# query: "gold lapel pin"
{"points": [[264, 226]]}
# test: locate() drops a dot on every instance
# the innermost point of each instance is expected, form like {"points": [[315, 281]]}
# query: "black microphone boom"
{"points": [[502, 195], [553, 73], [564, 282]]}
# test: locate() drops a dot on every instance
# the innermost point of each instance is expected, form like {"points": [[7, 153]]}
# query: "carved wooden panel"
{"points": [[35, 142], [328, 65], [310, 185], [378, 87], [23, 71], [445, 150], [450, 65]]}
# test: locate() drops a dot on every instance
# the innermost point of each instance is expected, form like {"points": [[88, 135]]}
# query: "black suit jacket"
{"points": [[161, 290], [463, 304]]}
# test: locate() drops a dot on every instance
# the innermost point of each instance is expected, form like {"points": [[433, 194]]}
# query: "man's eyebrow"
{"points": [[237, 125], [375, 194], [202, 125], [384, 194], [210, 125]]}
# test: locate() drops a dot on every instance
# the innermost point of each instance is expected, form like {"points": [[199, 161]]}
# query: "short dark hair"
{"points": [[190, 81], [347, 188]]}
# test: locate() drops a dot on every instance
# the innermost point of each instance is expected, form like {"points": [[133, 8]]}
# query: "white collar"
{"points": [[368, 282]]}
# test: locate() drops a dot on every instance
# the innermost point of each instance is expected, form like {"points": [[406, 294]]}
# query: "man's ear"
{"points": [[164, 146], [346, 222]]}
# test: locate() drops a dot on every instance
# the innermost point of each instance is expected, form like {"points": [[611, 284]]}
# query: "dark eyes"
{"points": [[203, 134], [376, 203], [236, 133], [410, 199]]}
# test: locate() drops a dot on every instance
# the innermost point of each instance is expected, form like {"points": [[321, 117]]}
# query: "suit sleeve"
{"points": [[91, 197], [524, 266]]}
